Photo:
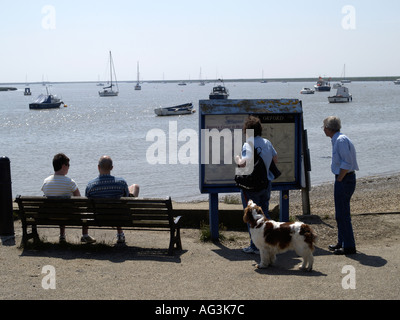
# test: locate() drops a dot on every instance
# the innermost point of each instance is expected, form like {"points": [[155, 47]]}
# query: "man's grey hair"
{"points": [[333, 123]]}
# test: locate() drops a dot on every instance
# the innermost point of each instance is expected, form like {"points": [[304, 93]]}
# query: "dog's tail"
{"points": [[310, 236]]}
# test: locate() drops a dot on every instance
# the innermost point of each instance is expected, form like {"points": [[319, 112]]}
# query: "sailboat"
{"points": [[138, 87], [202, 83], [108, 91], [100, 84], [344, 80], [262, 78]]}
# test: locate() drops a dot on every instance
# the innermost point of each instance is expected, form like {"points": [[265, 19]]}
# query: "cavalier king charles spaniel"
{"points": [[272, 237]]}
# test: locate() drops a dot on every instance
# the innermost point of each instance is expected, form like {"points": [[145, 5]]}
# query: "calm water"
{"points": [[92, 126]]}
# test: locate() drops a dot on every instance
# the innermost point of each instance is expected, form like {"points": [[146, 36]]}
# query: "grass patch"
{"points": [[205, 233], [232, 199]]}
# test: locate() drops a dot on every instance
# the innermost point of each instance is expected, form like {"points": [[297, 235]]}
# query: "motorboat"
{"points": [[322, 85], [396, 81], [307, 91], [108, 91], [219, 92], [182, 109], [27, 92], [342, 95], [46, 101]]}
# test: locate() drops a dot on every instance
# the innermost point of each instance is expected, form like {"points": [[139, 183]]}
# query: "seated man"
{"points": [[107, 186], [59, 185]]}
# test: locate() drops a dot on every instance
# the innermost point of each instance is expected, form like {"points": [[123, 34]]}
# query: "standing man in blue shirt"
{"points": [[344, 165]]}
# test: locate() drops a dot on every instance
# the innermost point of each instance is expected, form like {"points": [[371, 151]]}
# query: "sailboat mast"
{"points": [[111, 70]]}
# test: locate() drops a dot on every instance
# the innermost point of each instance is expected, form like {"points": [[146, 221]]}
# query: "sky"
{"points": [[70, 40]]}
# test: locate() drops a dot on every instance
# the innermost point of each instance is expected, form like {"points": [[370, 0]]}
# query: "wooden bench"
{"points": [[81, 211]]}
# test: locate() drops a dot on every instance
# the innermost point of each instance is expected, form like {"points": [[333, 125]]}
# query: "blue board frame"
{"points": [[269, 111]]}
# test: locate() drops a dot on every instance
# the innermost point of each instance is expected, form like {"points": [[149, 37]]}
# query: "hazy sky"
{"points": [[70, 40]]}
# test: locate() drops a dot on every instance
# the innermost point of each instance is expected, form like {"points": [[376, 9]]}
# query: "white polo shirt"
{"points": [[59, 186]]}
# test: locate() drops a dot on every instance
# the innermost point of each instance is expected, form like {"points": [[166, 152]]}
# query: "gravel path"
{"points": [[141, 270]]}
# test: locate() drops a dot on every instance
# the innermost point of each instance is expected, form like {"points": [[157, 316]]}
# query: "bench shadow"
{"points": [[286, 263], [117, 253]]}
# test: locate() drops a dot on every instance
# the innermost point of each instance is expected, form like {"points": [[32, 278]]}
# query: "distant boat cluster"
{"points": [[219, 91], [322, 85], [342, 94]]}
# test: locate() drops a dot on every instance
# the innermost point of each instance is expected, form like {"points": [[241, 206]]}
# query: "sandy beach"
{"points": [[141, 270]]}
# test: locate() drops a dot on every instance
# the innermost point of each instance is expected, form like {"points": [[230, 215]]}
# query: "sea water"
{"points": [[91, 126]]}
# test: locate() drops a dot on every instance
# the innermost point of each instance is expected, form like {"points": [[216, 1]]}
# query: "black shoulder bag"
{"points": [[258, 179]]}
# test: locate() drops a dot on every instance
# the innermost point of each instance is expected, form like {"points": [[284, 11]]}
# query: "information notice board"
{"points": [[281, 122], [221, 139]]}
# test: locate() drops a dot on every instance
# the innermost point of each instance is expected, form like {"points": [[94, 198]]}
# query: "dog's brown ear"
{"points": [[260, 211], [248, 217], [247, 212]]}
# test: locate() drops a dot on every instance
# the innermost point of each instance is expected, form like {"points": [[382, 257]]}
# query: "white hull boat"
{"points": [[108, 91], [342, 96], [182, 109], [307, 91]]}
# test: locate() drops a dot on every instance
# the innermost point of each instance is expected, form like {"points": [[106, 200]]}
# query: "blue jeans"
{"points": [[260, 198], [343, 192]]}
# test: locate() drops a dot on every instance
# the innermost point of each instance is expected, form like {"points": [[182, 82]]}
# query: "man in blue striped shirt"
{"points": [[344, 164], [108, 186]]}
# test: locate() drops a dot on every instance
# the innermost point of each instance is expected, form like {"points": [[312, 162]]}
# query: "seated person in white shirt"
{"points": [[59, 185]]}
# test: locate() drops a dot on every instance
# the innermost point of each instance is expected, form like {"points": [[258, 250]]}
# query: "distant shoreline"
{"points": [[332, 79]]}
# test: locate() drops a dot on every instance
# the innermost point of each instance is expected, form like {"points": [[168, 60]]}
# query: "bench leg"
{"points": [[178, 239], [26, 235], [35, 234], [175, 239]]}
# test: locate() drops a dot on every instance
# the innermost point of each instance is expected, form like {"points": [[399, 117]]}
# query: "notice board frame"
{"points": [[271, 112]]}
